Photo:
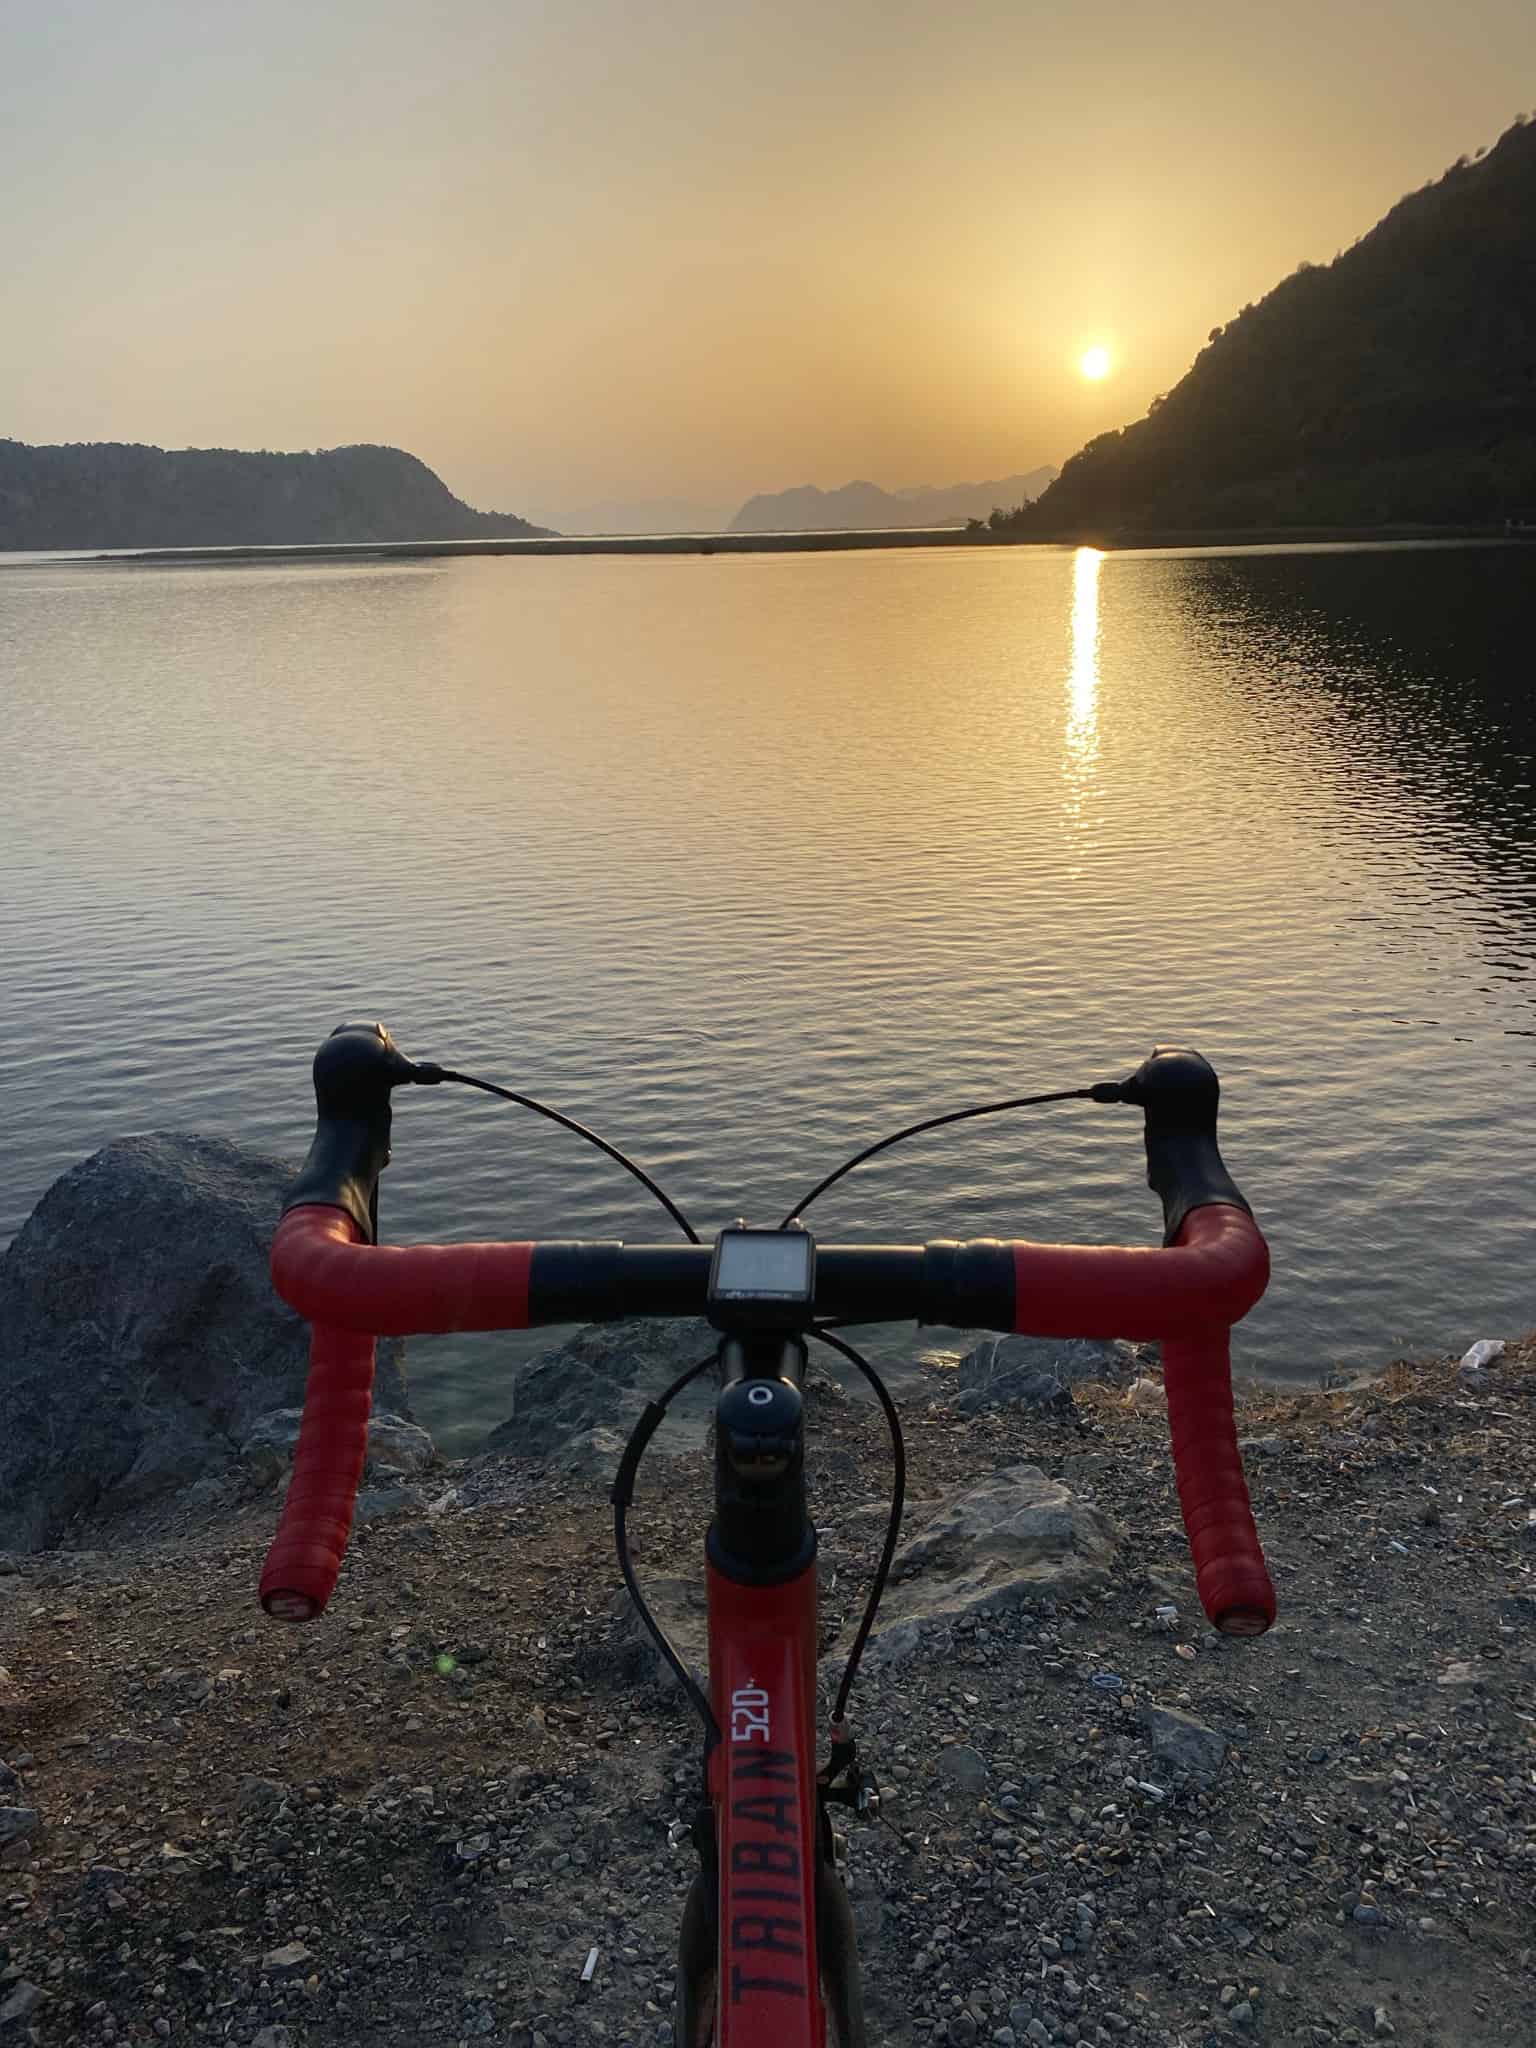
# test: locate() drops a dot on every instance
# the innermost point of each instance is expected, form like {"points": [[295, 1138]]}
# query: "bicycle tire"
{"points": [[841, 1985]]}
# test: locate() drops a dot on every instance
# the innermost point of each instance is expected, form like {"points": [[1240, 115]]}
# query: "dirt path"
{"points": [[412, 1821]]}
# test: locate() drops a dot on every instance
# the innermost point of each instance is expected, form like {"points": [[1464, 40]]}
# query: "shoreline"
{"points": [[1120, 541]]}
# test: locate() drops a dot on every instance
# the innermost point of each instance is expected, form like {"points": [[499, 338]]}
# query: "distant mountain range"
{"points": [[644, 515], [1395, 385], [115, 494], [864, 505]]}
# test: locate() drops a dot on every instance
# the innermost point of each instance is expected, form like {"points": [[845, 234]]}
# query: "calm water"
{"points": [[747, 859]]}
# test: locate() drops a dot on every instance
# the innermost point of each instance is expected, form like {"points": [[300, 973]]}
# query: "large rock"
{"points": [[577, 1403], [1004, 1372], [140, 1339], [1015, 1538]]}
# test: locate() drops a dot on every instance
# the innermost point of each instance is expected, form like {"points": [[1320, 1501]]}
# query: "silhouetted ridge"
{"points": [[1395, 384], [860, 505], [116, 494]]}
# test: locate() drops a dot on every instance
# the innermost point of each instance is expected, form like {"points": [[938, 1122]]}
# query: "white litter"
{"points": [[1482, 1353]]}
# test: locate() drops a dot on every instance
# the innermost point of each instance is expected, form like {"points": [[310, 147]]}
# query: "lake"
{"points": [[745, 860]]}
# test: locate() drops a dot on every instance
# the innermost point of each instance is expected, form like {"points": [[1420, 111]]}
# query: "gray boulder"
{"points": [[577, 1403], [1016, 1537], [140, 1339], [1003, 1372]]}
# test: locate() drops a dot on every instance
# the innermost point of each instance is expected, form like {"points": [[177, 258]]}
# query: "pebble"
{"points": [[23, 2001], [1185, 1743], [261, 1795], [964, 1765], [289, 1961]]}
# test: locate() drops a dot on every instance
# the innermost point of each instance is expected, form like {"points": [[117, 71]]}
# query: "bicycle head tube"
{"points": [[761, 1534]]}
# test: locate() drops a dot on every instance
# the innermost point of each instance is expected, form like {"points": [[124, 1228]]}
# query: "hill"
{"points": [[1396, 384], [865, 506], [115, 494]]}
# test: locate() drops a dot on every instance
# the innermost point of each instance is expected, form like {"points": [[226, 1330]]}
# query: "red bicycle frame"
{"points": [[767, 1920], [762, 1785]]}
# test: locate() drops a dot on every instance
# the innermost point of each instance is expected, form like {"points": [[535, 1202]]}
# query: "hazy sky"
{"points": [[599, 250]]}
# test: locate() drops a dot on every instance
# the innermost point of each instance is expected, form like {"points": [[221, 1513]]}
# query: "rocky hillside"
{"points": [[1395, 384], [113, 494], [866, 506]]}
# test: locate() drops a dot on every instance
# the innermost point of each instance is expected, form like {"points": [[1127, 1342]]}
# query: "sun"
{"points": [[1094, 364]]}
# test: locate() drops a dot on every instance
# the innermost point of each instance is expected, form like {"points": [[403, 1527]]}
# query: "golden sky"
{"points": [[572, 251]]}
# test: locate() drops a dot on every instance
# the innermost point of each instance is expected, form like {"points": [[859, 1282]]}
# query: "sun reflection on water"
{"points": [[1082, 731]]}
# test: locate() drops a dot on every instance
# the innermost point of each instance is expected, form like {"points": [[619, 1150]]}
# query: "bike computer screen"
{"points": [[763, 1275]]}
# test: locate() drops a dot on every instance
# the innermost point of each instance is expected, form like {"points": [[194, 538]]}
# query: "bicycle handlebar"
{"points": [[1212, 1268]]}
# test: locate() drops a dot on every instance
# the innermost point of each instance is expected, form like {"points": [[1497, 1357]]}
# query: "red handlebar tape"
{"points": [[300, 1574], [1230, 1572], [417, 1290], [351, 1294], [1187, 1294]]}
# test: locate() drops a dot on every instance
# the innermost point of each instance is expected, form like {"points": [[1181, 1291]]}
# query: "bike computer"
{"points": [[762, 1279]]}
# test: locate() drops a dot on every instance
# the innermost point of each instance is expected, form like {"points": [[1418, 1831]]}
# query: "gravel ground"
{"points": [[413, 1820]]}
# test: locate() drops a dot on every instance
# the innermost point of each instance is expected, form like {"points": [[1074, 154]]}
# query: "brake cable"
{"points": [[1101, 1091], [622, 1493], [893, 1526], [429, 1074]]}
